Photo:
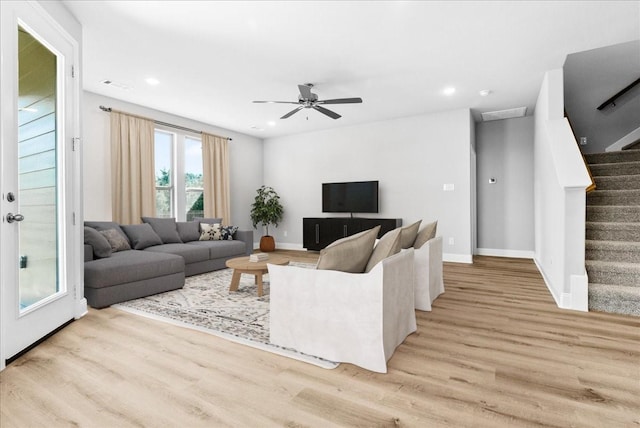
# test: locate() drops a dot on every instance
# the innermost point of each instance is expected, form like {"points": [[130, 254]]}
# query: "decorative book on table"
{"points": [[258, 257]]}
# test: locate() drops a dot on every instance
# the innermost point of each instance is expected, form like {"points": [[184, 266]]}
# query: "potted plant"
{"points": [[266, 209]]}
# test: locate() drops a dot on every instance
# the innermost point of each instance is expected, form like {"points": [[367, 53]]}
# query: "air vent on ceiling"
{"points": [[115, 84], [504, 114]]}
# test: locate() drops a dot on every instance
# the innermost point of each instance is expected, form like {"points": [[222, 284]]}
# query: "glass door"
{"points": [[38, 283]]}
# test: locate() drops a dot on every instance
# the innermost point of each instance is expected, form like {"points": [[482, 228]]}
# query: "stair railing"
{"points": [[592, 186], [621, 92]]}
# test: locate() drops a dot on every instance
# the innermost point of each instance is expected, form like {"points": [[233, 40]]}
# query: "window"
{"points": [[193, 185], [163, 167], [178, 169]]}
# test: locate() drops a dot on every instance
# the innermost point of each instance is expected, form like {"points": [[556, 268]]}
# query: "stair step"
{"points": [[612, 251], [617, 182], [613, 213], [611, 157], [612, 231], [616, 273], [620, 168], [613, 298], [614, 197]]}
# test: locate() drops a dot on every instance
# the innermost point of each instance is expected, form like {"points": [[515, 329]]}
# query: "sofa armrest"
{"points": [[358, 318], [428, 277], [247, 237], [88, 253]]}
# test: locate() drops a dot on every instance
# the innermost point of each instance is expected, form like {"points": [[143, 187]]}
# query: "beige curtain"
{"points": [[132, 171], [215, 155]]}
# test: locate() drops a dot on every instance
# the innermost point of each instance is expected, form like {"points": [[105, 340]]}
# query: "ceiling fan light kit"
{"points": [[308, 99]]}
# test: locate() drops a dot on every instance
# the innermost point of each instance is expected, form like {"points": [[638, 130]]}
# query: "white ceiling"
{"points": [[214, 58]]}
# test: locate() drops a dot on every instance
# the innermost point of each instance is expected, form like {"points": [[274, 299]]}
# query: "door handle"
{"points": [[14, 217]]}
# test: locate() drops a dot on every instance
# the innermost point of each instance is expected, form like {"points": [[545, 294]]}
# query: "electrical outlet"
{"points": [[451, 241], [284, 233]]}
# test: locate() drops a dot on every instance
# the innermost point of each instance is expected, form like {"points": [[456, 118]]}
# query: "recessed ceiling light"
{"points": [[152, 81], [485, 92], [271, 123], [450, 90]]}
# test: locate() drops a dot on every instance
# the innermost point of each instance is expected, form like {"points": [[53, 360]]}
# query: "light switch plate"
{"points": [[448, 187]]}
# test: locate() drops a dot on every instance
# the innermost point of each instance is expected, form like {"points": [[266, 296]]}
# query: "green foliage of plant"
{"points": [[197, 209], [266, 208]]}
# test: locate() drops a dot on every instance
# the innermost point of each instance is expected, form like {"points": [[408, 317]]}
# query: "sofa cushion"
{"points": [[190, 253], [99, 244], [349, 254], [210, 232], [117, 240], [409, 234], [219, 249], [387, 246], [188, 230], [165, 228], [208, 220], [129, 266], [106, 225], [141, 236], [427, 232]]}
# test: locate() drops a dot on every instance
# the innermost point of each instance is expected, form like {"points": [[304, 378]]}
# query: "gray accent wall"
{"points": [[505, 209], [592, 77], [411, 157]]}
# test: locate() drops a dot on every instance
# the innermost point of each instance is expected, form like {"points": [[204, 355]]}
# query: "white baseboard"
{"points": [[518, 254], [577, 300], [457, 258], [625, 141]]}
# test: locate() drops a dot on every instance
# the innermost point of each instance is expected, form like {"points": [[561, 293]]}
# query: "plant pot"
{"points": [[267, 243]]}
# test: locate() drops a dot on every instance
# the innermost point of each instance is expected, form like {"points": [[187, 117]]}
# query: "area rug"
{"points": [[205, 304]]}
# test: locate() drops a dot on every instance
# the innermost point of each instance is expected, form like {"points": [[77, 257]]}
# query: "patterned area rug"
{"points": [[205, 304]]}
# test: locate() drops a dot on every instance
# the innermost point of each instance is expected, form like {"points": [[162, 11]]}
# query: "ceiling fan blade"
{"points": [[341, 101], [331, 114], [292, 112], [305, 91], [277, 102]]}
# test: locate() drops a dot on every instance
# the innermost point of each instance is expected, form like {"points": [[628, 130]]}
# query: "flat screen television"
{"points": [[350, 197]]}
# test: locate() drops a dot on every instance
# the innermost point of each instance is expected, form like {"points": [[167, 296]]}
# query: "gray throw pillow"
{"points": [[188, 230], [141, 236], [165, 228], [116, 240], [100, 245], [349, 254], [387, 246], [409, 234], [106, 225], [427, 232]]}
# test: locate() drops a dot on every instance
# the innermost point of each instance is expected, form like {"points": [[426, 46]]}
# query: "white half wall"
{"points": [[245, 158], [560, 180], [411, 157]]}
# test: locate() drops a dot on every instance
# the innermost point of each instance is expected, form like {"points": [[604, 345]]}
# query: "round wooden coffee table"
{"points": [[242, 265]]}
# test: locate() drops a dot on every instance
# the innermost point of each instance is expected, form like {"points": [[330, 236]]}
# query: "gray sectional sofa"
{"points": [[157, 257]]}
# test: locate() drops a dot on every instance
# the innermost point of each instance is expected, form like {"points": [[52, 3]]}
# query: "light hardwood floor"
{"points": [[494, 352]]}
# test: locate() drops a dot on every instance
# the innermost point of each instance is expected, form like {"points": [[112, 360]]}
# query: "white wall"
{"points": [[245, 158], [411, 157], [505, 208], [560, 180]]}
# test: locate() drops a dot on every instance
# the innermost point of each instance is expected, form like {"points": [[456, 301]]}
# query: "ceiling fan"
{"points": [[308, 99]]}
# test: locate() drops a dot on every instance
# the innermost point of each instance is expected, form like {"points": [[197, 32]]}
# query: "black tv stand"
{"points": [[317, 232]]}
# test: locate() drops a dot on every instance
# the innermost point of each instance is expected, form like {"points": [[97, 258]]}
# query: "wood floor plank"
{"points": [[494, 352]]}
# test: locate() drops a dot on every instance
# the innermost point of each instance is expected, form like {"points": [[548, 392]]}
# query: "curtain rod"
{"points": [[158, 122]]}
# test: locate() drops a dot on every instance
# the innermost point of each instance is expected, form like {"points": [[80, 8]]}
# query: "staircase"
{"points": [[612, 250]]}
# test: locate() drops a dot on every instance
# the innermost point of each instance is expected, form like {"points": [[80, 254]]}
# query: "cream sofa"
{"points": [[357, 318]]}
